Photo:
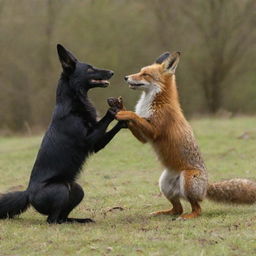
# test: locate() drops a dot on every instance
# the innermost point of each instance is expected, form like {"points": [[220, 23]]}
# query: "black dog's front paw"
{"points": [[123, 124], [116, 102], [112, 112]]}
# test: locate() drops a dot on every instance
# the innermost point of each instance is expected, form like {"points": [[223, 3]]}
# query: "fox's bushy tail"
{"points": [[13, 203], [237, 191]]}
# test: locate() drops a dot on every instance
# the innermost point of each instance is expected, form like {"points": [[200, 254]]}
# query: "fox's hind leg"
{"points": [[196, 211], [169, 184], [176, 209], [194, 189]]}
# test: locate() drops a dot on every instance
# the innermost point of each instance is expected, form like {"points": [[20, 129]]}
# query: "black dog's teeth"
{"points": [[100, 81]]}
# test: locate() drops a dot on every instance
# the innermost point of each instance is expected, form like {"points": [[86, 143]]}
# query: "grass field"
{"points": [[125, 174]]}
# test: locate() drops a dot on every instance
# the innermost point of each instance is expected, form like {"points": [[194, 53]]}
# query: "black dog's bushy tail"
{"points": [[13, 203]]}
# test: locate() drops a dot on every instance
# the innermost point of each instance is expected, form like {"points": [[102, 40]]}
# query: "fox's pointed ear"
{"points": [[162, 58], [170, 64], [67, 59]]}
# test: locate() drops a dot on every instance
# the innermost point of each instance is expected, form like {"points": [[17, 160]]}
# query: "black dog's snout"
{"points": [[126, 78], [111, 73]]}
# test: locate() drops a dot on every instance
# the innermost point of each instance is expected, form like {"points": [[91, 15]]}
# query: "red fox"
{"points": [[159, 120]]}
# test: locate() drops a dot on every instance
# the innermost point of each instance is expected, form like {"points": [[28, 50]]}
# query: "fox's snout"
{"points": [[126, 78]]}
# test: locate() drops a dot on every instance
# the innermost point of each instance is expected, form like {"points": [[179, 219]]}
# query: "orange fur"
{"points": [[163, 124], [166, 133], [136, 132], [176, 210], [196, 211]]}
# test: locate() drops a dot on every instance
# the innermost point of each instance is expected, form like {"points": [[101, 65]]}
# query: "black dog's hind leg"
{"points": [[108, 136], [50, 199], [76, 195], [57, 200]]}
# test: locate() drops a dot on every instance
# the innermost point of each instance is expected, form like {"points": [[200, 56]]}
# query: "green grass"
{"points": [[126, 174]]}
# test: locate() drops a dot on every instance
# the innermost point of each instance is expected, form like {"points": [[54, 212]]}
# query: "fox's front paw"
{"points": [[125, 115]]}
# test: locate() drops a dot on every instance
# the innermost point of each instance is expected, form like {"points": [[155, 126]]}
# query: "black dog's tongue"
{"points": [[115, 102]]}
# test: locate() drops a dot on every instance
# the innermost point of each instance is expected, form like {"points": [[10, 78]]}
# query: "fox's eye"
{"points": [[147, 75], [89, 70]]}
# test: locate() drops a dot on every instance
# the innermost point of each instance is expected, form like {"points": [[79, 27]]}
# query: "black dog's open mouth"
{"points": [[99, 82]]}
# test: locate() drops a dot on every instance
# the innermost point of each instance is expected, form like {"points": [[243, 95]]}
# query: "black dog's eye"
{"points": [[90, 70]]}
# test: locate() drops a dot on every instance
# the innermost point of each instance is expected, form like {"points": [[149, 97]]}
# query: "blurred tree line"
{"points": [[216, 37]]}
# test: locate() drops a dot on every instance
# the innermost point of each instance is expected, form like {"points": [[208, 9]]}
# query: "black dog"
{"points": [[73, 134]]}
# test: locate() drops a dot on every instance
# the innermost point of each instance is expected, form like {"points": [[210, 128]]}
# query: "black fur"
{"points": [[162, 58], [73, 134]]}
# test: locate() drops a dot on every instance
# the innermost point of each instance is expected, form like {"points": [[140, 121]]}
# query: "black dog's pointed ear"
{"points": [[67, 59], [162, 58]]}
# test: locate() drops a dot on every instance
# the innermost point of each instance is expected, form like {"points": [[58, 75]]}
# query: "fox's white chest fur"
{"points": [[144, 106]]}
